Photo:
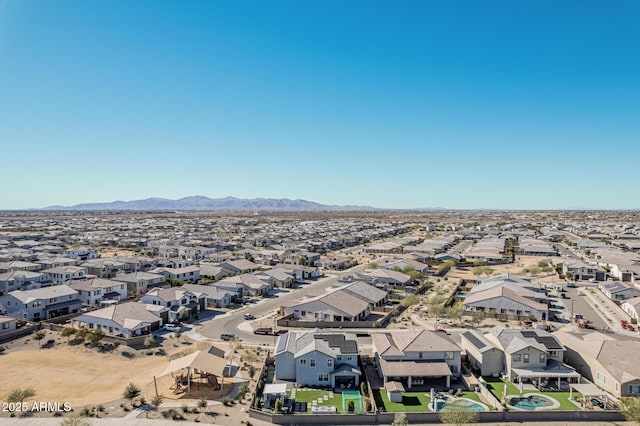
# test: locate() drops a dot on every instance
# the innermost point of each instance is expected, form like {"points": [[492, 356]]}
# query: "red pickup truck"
{"points": [[263, 330]]}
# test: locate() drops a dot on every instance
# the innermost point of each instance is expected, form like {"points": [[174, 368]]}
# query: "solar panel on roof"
{"points": [[529, 334], [474, 340], [282, 342], [549, 342]]}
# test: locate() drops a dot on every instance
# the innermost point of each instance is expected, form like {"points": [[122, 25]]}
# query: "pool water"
{"points": [[531, 402], [461, 294], [459, 404]]}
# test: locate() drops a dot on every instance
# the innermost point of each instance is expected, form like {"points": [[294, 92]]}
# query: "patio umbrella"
{"points": [[521, 386], [504, 393], [434, 406], [570, 392]]}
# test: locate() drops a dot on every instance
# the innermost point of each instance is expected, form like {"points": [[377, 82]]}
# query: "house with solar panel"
{"points": [[318, 358], [524, 355]]}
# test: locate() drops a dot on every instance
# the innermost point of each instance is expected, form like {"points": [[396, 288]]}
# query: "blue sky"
{"points": [[461, 104]]}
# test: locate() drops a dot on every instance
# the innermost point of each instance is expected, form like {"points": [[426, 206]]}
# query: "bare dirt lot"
{"points": [[75, 374]]}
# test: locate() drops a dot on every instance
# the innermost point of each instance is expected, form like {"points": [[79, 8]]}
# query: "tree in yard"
{"points": [[244, 388], [454, 312], [400, 419], [301, 260], [410, 300], [94, 336], [131, 392], [68, 332], [363, 389], [372, 265], [149, 341], [278, 405], [157, 400], [19, 395], [38, 335], [458, 416], [252, 371], [631, 409], [202, 403], [477, 317], [81, 334]]}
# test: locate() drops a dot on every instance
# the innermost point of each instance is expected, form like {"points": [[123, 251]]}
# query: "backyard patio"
{"points": [[496, 386]]}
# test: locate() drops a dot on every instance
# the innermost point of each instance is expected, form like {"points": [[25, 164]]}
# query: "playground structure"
{"points": [[354, 396]]}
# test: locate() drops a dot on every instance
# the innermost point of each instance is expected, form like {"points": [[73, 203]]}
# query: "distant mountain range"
{"points": [[211, 204]]}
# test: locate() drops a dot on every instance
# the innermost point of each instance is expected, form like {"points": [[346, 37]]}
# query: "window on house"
{"points": [[525, 358], [448, 355], [634, 389], [339, 357], [349, 358], [420, 355], [312, 363], [329, 362], [303, 362], [543, 358], [516, 358], [323, 377]]}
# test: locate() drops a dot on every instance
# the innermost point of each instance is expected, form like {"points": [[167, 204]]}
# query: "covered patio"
{"points": [[415, 373], [555, 379]]}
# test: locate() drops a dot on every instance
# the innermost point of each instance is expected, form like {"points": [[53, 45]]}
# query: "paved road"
{"points": [[582, 306], [233, 322]]}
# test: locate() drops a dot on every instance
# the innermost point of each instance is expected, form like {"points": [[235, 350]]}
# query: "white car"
{"points": [[443, 321], [171, 327]]}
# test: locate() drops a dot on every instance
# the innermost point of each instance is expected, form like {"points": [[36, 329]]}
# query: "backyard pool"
{"points": [[461, 294], [533, 402], [448, 403]]}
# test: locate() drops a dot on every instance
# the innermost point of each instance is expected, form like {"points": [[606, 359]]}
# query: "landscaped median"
{"points": [[496, 386]]}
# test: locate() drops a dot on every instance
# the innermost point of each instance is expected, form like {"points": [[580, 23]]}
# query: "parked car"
{"points": [[249, 316], [280, 332], [581, 293], [571, 285], [227, 336], [443, 321], [171, 327], [263, 330]]}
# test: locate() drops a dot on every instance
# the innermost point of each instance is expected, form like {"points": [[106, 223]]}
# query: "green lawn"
{"points": [[414, 401], [496, 386], [309, 395]]}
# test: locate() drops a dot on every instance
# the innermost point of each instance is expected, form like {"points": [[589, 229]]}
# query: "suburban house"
{"points": [[215, 297], [404, 263], [7, 325], [389, 278], [40, 304], [485, 358], [416, 358], [123, 320], [95, 291], [81, 253], [618, 290], [214, 273], [280, 277], [339, 306], [22, 280], [65, 274], [19, 265], [105, 268], [240, 266], [508, 296], [371, 294], [578, 270], [138, 283], [522, 355], [250, 283], [632, 308], [181, 302], [300, 272], [317, 358], [186, 273], [610, 363]]}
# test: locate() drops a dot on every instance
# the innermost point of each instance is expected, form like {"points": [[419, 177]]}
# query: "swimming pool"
{"points": [[448, 403], [533, 402]]}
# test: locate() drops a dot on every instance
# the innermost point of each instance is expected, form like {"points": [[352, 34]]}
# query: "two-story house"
{"points": [[65, 274], [138, 283], [318, 358], [529, 355], [97, 290], [81, 253], [578, 270], [40, 304], [416, 358], [181, 302], [22, 280]]}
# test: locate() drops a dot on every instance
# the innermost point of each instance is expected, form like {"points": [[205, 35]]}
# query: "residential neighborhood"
{"points": [[434, 307]]}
